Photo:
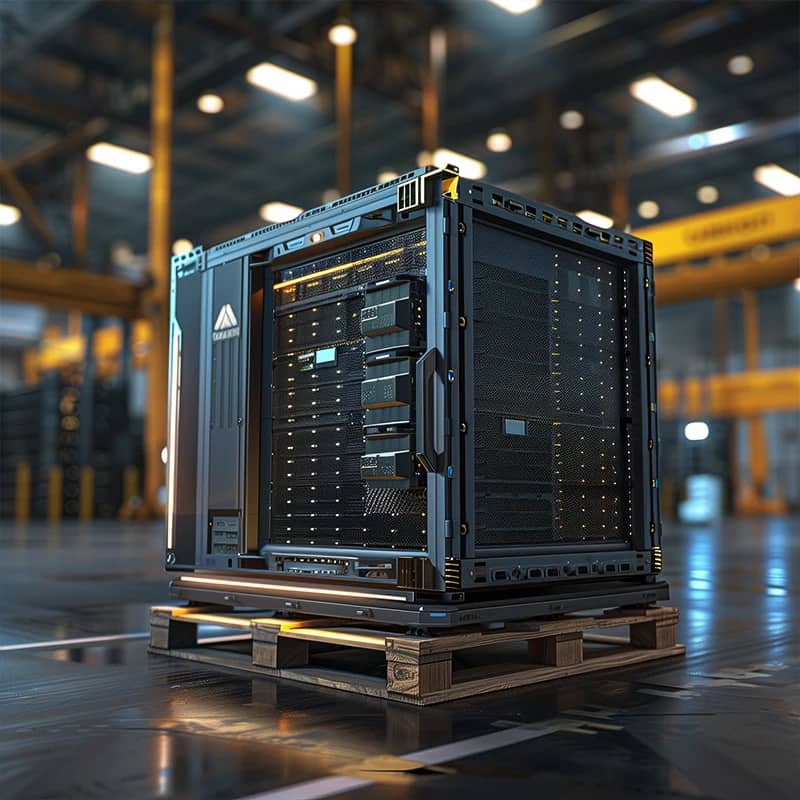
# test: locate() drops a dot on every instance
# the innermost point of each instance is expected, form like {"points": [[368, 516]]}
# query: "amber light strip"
{"points": [[288, 589], [342, 267]]}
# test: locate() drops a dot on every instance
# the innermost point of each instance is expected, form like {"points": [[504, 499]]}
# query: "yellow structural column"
{"points": [[22, 494], [163, 69]]}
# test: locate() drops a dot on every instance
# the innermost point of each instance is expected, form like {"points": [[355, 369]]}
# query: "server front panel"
{"points": [[347, 331]]}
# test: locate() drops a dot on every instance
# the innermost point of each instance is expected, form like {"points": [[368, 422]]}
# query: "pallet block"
{"points": [[419, 669]]}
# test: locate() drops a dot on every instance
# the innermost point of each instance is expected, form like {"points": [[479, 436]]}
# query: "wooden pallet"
{"points": [[420, 670]]}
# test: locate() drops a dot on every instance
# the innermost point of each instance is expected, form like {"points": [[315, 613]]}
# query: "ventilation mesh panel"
{"points": [[317, 496], [548, 396]]}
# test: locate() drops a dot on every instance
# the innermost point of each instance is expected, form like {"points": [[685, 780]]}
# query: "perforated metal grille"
{"points": [[317, 496], [549, 394]]}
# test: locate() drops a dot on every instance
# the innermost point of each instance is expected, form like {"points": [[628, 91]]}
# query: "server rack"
{"points": [[430, 391]]}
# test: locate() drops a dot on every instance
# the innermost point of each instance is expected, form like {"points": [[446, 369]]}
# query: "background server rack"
{"points": [[428, 391]]}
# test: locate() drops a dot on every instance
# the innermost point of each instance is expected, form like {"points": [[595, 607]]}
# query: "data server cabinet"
{"points": [[431, 390]]}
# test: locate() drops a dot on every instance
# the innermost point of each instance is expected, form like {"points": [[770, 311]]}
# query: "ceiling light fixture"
{"points": [[696, 431], [280, 81], [780, 180], [516, 6], [9, 214], [279, 212], [470, 168], [342, 34], [740, 65], [210, 103], [571, 120], [708, 194], [596, 218], [386, 175], [648, 209], [181, 246], [122, 158], [663, 96], [499, 141]]}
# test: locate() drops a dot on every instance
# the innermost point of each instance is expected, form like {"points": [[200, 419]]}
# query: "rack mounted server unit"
{"points": [[430, 401]]}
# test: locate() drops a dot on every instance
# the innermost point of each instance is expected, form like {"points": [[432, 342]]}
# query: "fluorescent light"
{"points": [[516, 6], [648, 209], [696, 431], [281, 81], [708, 194], [571, 120], [9, 214], [498, 141], [386, 175], [596, 218], [342, 34], [740, 65], [210, 103], [329, 195], [468, 167], [112, 155], [278, 212], [181, 246], [778, 179], [663, 96]]}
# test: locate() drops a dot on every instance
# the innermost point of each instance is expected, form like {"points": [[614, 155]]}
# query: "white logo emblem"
{"points": [[226, 326]]}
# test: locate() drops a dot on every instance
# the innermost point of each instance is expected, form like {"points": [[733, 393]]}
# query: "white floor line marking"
{"points": [[325, 787], [54, 644]]}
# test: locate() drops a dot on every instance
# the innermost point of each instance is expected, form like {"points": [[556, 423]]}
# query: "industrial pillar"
{"points": [[752, 498], [432, 89], [620, 206], [344, 117], [86, 416], [547, 129], [163, 69], [80, 214]]}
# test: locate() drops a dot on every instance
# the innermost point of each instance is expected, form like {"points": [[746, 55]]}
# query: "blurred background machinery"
{"points": [[130, 131]]}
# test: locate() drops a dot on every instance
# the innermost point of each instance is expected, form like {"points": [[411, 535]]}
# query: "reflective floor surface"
{"points": [[85, 712]]}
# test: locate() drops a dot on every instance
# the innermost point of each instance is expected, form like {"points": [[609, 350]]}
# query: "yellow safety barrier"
{"points": [[86, 512], [22, 494], [55, 493], [131, 493]]}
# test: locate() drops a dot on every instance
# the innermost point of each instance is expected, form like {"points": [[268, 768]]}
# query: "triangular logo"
{"points": [[225, 319]]}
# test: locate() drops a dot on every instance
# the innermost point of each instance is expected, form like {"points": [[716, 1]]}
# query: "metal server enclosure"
{"points": [[431, 387]]}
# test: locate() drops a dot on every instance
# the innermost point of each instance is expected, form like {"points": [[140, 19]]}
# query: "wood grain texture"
{"points": [[419, 669]]}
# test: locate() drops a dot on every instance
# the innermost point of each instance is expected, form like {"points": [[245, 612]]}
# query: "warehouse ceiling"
{"points": [[77, 72]]}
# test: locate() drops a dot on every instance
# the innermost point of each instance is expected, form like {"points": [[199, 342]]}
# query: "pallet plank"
{"points": [[420, 670]]}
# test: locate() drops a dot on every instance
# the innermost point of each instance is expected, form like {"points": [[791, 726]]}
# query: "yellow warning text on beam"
{"points": [[725, 231]]}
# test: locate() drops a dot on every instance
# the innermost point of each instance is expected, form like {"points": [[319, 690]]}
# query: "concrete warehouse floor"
{"points": [[105, 719]]}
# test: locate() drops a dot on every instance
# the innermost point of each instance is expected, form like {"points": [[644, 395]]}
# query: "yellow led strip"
{"points": [[342, 267], [288, 589]]}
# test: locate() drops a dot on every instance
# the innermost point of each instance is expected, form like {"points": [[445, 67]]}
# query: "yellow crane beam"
{"points": [[70, 289], [728, 230], [731, 394], [685, 283]]}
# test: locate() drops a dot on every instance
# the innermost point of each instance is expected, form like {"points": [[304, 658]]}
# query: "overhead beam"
{"points": [[41, 21], [731, 394], [727, 230], [69, 289], [685, 283], [31, 213], [76, 140]]}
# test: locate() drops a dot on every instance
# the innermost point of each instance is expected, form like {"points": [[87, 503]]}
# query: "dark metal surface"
{"points": [[104, 719], [431, 613]]}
